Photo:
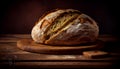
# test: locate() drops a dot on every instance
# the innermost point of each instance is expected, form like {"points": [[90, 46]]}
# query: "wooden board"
{"points": [[31, 46], [11, 56]]}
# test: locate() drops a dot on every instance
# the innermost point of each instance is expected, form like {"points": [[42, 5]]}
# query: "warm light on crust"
{"points": [[79, 28]]}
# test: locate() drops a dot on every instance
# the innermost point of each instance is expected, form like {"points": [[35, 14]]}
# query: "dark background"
{"points": [[19, 16]]}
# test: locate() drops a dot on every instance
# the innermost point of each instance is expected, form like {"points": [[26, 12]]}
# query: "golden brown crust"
{"points": [[82, 29], [48, 12], [38, 31]]}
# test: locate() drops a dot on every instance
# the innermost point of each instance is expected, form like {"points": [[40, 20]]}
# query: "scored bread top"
{"points": [[63, 26]]}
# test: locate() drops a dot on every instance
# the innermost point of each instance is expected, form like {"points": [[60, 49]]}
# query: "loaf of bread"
{"points": [[65, 27]]}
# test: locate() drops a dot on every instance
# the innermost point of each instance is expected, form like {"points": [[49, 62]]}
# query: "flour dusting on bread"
{"points": [[65, 27]]}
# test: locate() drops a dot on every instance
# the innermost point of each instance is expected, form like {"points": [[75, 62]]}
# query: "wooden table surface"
{"points": [[11, 56]]}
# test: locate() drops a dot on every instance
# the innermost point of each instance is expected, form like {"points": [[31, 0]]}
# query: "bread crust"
{"points": [[83, 29]]}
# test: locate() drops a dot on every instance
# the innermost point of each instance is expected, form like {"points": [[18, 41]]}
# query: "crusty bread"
{"points": [[65, 27]]}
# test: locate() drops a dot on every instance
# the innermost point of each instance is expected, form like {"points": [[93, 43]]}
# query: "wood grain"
{"points": [[31, 46], [11, 55]]}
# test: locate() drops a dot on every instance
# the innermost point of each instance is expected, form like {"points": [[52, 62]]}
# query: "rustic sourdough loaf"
{"points": [[65, 27]]}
